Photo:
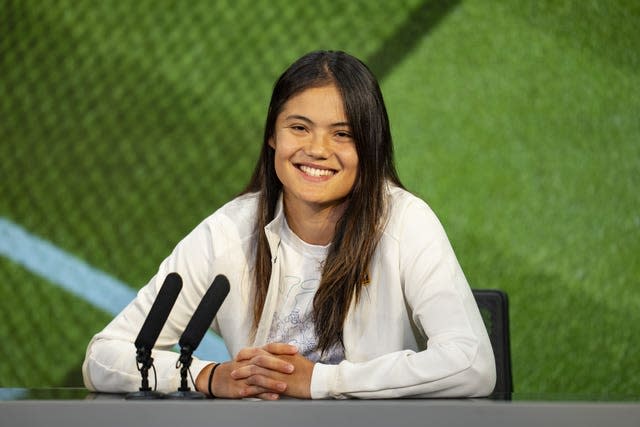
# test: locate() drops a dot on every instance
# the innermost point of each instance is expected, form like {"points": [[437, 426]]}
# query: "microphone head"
{"points": [[159, 312], [204, 314]]}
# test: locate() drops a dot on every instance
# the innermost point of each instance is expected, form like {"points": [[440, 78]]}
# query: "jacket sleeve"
{"points": [[110, 360], [458, 360]]}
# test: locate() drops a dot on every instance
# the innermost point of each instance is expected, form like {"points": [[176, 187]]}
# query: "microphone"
{"points": [[150, 331], [195, 330], [204, 314], [159, 312]]}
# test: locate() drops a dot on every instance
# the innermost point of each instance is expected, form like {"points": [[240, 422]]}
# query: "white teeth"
{"points": [[316, 172]]}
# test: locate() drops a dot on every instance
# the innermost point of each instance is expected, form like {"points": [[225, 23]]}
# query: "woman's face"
{"points": [[315, 154]]}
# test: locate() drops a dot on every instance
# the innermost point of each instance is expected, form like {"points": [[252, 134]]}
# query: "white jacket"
{"points": [[417, 290]]}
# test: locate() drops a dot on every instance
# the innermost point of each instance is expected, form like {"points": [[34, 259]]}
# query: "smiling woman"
{"points": [[339, 277]]}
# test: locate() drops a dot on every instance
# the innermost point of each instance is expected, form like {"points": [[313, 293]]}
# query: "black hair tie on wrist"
{"points": [[211, 379]]}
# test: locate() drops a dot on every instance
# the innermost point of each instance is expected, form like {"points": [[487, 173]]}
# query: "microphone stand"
{"points": [[144, 362], [184, 363]]}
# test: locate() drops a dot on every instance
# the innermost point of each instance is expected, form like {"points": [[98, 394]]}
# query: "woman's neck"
{"points": [[314, 224]]}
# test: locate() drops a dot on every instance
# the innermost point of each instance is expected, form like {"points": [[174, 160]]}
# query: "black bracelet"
{"points": [[211, 379]]}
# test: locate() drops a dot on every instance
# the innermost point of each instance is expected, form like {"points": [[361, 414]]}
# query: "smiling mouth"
{"points": [[316, 172]]}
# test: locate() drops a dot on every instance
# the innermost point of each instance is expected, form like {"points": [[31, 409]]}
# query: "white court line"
{"points": [[79, 278]]}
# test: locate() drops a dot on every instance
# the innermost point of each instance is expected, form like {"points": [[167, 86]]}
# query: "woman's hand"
{"points": [[282, 366], [261, 373]]}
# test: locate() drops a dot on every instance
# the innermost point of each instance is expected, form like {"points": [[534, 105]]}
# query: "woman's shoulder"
{"points": [[401, 199], [237, 214], [408, 211], [245, 203]]}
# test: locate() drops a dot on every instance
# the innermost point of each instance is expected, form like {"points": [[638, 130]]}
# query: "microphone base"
{"points": [[145, 395], [186, 395]]}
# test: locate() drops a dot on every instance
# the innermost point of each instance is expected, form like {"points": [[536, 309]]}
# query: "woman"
{"points": [[343, 284]]}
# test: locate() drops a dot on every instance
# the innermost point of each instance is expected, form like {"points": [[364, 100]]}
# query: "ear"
{"points": [[272, 142]]}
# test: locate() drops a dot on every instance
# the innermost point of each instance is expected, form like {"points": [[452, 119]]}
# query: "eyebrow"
{"points": [[311, 122]]}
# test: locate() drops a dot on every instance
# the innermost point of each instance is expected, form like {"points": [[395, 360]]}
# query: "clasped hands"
{"points": [[267, 372]]}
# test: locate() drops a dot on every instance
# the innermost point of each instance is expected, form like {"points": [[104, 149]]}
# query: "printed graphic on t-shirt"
{"points": [[293, 321]]}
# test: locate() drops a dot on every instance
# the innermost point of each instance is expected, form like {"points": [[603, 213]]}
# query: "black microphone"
{"points": [[195, 330], [159, 312], [204, 314], [150, 331]]}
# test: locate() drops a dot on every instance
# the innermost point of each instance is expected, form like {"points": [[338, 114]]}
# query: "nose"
{"points": [[318, 146]]}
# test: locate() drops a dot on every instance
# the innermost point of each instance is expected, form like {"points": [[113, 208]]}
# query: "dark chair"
{"points": [[494, 308]]}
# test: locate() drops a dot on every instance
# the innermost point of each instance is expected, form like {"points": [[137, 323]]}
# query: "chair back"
{"points": [[494, 308]]}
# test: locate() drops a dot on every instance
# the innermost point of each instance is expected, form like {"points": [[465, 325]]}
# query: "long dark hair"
{"points": [[357, 233]]}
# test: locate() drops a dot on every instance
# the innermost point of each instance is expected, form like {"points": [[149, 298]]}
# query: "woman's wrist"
{"points": [[202, 380], [210, 381]]}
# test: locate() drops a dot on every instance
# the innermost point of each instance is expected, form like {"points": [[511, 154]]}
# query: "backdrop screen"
{"points": [[124, 124]]}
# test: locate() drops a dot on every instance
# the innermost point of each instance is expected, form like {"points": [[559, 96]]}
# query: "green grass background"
{"points": [[123, 124]]}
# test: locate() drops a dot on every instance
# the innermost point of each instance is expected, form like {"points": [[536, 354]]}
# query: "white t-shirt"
{"points": [[299, 280]]}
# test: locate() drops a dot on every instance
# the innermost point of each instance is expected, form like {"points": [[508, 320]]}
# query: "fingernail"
{"points": [[282, 386], [289, 368], [233, 374]]}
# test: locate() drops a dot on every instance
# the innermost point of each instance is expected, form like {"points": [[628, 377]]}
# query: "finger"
{"points": [[248, 371], [280, 348], [256, 376], [266, 383], [257, 391], [250, 391], [273, 363], [249, 352]]}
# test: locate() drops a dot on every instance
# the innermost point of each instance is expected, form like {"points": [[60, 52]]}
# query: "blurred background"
{"points": [[124, 123]]}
